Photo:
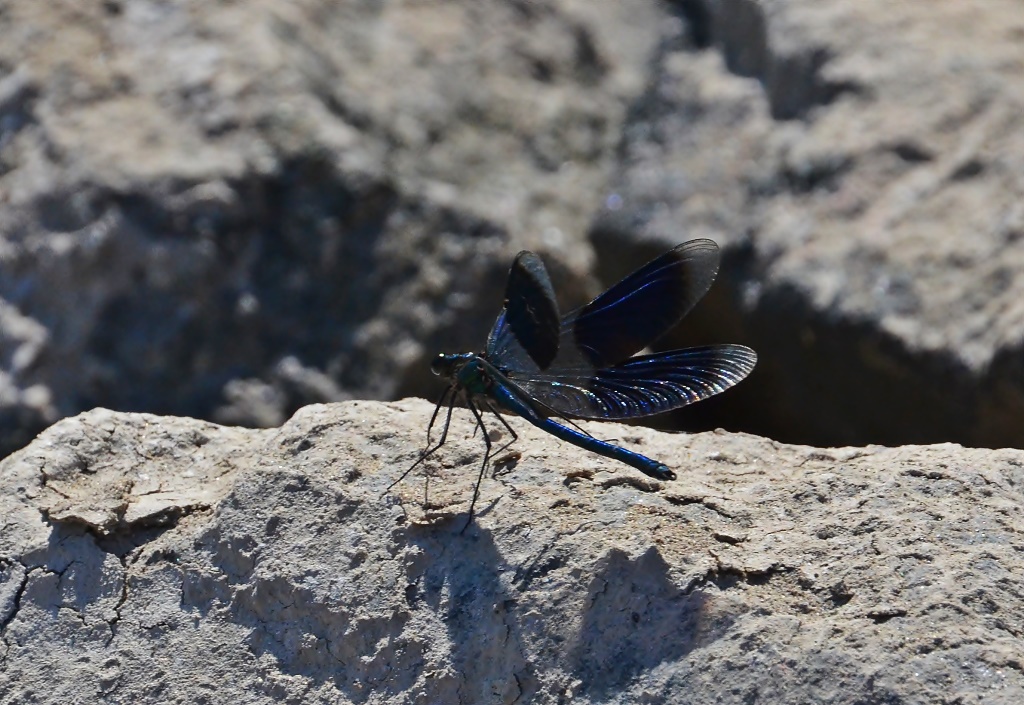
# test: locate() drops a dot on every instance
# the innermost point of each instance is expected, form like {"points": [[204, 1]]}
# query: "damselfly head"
{"points": [[447, 365]]}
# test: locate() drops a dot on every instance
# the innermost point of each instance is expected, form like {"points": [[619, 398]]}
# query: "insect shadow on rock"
{"points": [[538, 364]]}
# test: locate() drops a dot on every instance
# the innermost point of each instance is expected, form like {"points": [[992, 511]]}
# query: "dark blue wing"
{"points": [[641, 308], [504, 351], [531, 310], [621, 321], [642, 386]]}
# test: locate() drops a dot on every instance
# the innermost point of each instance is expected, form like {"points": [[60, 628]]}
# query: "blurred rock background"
{"points": [[232, 209]]}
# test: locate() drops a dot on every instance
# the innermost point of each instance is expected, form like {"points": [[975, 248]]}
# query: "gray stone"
{"points": [[232, 210], [160, 560], [861, 163], [193, 194]]}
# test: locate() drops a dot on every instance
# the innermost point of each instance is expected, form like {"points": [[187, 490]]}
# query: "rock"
{"points": [[196, 198], [861, 164], [153, 560], [193, 195]]}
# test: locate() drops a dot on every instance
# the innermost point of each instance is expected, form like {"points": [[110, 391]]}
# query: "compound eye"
{"points": [[440, 365]]}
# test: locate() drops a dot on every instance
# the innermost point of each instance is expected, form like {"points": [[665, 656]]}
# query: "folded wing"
{"points": [[642, 386], [531, 312], [642, 307], [617, 324]]}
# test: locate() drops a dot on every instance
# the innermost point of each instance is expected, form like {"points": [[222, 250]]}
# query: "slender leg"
{"points": [[444, 436], [433, 417], [555, 414], [493, 410], [437, 407], [511, 431], [483, 464], [575, 425]]}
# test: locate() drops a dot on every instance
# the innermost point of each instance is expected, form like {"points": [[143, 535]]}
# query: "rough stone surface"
{"points": [[228, 210], [168, 560], [194, 193], [865, 163]]}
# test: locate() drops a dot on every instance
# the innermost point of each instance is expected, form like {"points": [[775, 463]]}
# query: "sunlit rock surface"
{"points": [[155, 560]]}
